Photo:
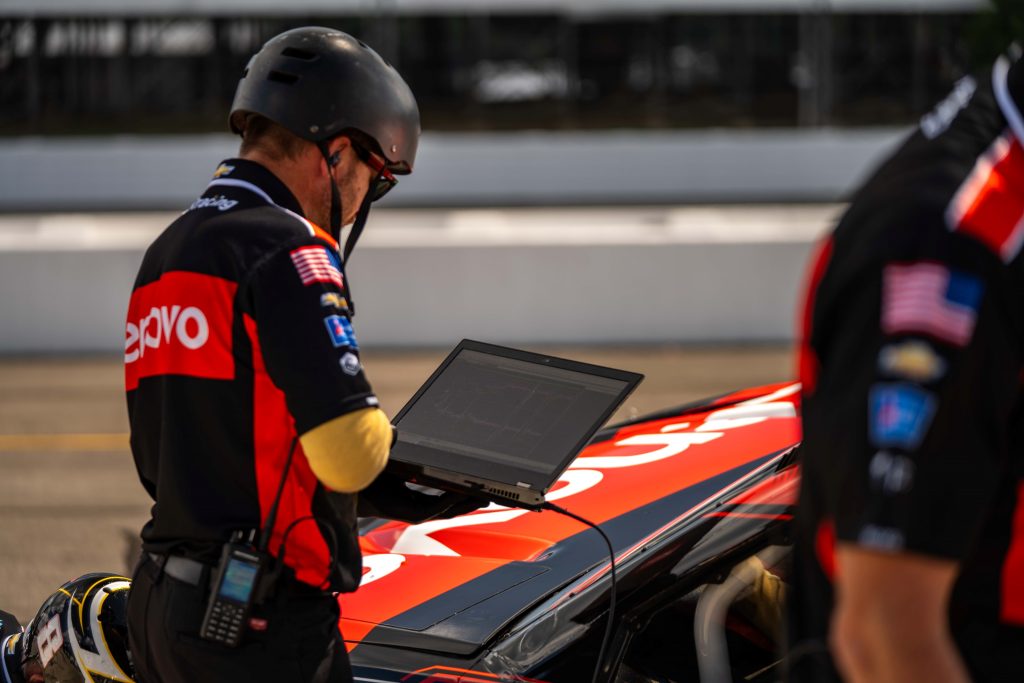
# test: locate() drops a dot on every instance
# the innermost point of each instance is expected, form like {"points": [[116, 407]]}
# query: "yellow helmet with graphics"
{"points": [[81, 634]]}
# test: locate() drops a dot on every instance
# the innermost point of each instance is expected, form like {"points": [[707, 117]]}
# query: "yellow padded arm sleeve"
{"points": [[348, 452]]}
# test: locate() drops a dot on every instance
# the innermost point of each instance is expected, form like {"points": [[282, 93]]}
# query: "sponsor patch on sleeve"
{"points": [[891, 473], [317, 264], [350, 364], [928, 298], [340, 330], [10, 644], [912, 359], [881, 538], [899, 415], [334, 300]]}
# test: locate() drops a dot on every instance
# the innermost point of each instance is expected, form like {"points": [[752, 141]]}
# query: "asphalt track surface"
{"points": [[70, 500]]}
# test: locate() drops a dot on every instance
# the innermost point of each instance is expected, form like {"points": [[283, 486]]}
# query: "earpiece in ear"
{"points": [[334, 159]]}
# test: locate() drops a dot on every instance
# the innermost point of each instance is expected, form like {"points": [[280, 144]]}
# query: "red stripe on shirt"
{"points": [[990, 204], [324, 235], [1012, 604], [825, 548], [809, 365], [273, 433], [180, 325]]}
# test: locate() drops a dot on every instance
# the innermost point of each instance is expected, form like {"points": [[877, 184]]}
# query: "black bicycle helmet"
{"points": [[81, 632], [318, 82]]}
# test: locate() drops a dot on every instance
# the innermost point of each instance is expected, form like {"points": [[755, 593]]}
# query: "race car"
{"points": [[695, 502]]}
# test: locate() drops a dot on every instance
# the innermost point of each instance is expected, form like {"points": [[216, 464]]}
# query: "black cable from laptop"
{"points": [[611, 600], [333, 550], [268, 527]]}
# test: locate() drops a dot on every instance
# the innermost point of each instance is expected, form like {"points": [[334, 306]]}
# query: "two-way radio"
{"points": [[234, 589], [242, 576]]}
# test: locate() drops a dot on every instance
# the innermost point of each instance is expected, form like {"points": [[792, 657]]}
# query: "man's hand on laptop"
{"points": [[391, 497]]}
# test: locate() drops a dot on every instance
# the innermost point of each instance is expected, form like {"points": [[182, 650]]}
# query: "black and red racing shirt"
{"points": [[238, 338], [911, 365]]}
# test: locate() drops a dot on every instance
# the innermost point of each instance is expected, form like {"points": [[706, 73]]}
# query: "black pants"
{"points": [[301, 644]]}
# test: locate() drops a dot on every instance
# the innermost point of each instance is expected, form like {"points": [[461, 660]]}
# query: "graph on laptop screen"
{"points": [[506, 419]]}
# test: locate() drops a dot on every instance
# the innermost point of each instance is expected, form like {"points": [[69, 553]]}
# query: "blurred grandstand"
{"points": [[162, 66], [820, 86]]}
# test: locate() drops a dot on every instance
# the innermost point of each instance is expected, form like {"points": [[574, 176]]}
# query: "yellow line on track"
{"points": [[63, 442]]}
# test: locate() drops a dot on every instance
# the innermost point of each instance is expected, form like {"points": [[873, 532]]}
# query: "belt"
{"points": [[181, 568]]}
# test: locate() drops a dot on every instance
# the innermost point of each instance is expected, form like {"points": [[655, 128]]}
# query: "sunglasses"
{"points": [[385, 179]]}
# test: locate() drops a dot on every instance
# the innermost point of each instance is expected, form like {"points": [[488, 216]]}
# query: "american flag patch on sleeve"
{"points": [[928, 298], [316, 264]]}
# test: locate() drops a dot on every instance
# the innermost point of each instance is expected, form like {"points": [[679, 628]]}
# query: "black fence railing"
{"points": [[499, 72]]}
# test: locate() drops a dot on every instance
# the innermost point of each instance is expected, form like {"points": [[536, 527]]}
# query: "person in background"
{"points": [[909, 548]]}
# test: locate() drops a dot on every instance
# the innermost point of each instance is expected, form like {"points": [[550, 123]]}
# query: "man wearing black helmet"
{"points": [[253, 424]]}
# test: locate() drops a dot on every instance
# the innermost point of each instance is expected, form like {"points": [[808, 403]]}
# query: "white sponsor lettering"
{"points": [[746, 415], [50, 640], [583, 474], [220, 202], [164, 325], [149, 328], [671, 445], [891, 472], [416, 539], [167, 318], [935, 123], [131, 338], [202, 333], [881, 538], [380, 565]]}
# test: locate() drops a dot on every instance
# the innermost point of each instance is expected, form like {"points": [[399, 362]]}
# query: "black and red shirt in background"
{"points": [[238, 338], [911, 363]]}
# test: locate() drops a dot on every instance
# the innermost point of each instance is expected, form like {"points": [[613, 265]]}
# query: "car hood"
{"points": [[452, 585]]}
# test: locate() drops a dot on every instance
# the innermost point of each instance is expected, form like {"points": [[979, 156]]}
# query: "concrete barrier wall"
{"points": [[428, 276], [432, 277], [462, 169]]}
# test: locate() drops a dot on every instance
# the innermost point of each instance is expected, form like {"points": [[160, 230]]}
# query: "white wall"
{"points": [[459, 169], [432, 277]]}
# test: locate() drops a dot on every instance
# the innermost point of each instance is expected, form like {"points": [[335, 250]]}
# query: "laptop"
{"points": [[503, 424]]}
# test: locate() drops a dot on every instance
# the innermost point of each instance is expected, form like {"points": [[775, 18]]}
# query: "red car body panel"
{"points": [[630, 468]]}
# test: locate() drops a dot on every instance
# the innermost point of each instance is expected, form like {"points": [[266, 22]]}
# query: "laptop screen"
{"points": [[507, 416]]}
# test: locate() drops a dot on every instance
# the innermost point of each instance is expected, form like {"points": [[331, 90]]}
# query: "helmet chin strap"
{"points": [[336, 215], [350, 244], [332, 161], [336, 207], [360, 223]]}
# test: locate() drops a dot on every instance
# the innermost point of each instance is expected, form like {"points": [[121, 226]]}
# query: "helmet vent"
{"points": [[282, 77], [295, 52]]}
